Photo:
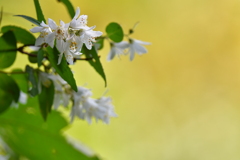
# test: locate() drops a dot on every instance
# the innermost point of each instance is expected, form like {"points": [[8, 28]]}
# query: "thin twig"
{"points": [[20, 72]]}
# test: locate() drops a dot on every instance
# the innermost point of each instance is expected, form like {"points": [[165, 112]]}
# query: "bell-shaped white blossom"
{"points": [[61, 96], [135, 46], [105, 109], [44, 30], [61, 87], [85, 107], [117, 49]]}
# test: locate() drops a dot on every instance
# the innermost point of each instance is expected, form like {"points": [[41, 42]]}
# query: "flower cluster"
{"points": [[86, 107], [133, 46], [69, 37], [83, 106]]}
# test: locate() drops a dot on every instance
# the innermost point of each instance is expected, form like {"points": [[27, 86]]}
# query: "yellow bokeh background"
{"points": [[181, 100]]}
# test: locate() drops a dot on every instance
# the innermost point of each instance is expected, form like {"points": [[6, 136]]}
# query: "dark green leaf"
{"points": [[21, 80], [115, 32], [100, 43], [8, 49], [33, 59], [30, 19], [94, 61], [40, 56], [69, 6], [5, 100], [62, 69], [45, 99], [40, 15], [27, 134], [32, 79], [10, 86], [22, 35]]}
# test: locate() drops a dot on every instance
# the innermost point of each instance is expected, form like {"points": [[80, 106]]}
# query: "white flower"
{"points": [[78, 26], [87, 108], [88, 36], [73, 47], [61, 87], [81, 95], [61, 95], [117, 49], [44, 30], [43, 79], [59, 33], [78, 21], [61, 98], [91, 109], [78, 98], [135, 46], [105, 109]]}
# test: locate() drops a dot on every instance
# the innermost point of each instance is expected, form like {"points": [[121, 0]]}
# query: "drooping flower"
{"points": [[61, 87], [135, 46], [117, 49], [62, 94], [105, 109], [78, 97], [85, 107]]}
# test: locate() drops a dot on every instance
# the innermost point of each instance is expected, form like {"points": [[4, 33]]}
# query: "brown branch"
{"points": [[85, 59], [20, 72]]}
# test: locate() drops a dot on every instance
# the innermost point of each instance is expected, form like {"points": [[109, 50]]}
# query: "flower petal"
{"points": [[36, 29], [131, 51], [50, 39], [77, 13], [111, 54], [52, 24]]}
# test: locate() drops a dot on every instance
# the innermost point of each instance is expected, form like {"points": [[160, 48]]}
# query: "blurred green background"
{"points": [[180, 101]]}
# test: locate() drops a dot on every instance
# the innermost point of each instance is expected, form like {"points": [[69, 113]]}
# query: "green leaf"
{"points": [[26, 133], [8, 49], [40, 56], [94, 61], [40, 15], [32, 79], [30, 19], [21, 80], [10, 86], [115, 32], [22, 35], [69, 6], [62, 69], [33, 59], [45, 99], [5, 100]]}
